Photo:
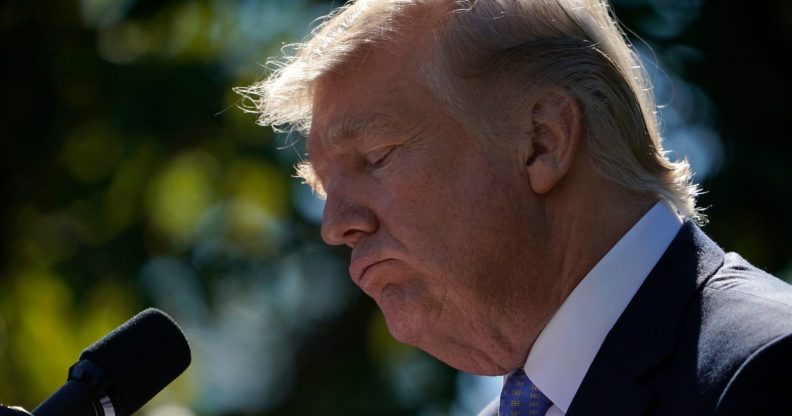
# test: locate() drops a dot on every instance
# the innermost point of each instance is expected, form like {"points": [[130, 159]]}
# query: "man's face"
{"points": [[443, 227]]}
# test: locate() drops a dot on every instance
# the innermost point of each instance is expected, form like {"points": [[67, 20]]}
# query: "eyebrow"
{"points": [[344, 131], [351, 128]]}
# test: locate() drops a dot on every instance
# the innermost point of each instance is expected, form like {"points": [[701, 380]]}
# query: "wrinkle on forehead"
{"points": [[391, 112]]}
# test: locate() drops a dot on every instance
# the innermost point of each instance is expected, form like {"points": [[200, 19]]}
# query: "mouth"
{"points": [[358, 269]]}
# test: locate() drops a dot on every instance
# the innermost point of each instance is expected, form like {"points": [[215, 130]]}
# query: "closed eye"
{"points": [[378, 157]]}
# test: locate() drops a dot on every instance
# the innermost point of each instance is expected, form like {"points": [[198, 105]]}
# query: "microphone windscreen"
{"points": [[140, 358]]}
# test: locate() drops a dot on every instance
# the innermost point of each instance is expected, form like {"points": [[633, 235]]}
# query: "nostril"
{"points": [[351, 237], [350, 242]]}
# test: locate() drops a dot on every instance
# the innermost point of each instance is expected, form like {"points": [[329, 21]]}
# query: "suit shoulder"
{"points": [[743, 294], [740, 310], [761, 385]]}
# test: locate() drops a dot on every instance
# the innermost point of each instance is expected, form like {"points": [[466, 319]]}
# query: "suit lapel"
{"points": [[646, 331]]}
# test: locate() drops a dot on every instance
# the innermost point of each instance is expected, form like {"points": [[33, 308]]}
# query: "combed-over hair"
{"points": [[486, 60]]}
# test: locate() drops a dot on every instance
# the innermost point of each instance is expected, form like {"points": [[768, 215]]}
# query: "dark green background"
{"points": [[131, 179]]}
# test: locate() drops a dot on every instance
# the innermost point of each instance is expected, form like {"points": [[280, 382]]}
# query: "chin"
{"points": [[403, 327], [406, 321]]}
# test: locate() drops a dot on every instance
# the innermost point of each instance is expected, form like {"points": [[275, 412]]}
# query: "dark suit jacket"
{"points": [[707, 333]]}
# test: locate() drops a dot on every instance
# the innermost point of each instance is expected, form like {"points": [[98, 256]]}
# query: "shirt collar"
{"points": [[564, 350]]}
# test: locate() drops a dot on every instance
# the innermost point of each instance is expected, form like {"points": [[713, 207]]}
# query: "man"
{"points": [[496, 168]]}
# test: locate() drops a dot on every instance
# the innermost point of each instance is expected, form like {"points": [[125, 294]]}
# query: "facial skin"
{"points": [[455, 237], [432, 214]]}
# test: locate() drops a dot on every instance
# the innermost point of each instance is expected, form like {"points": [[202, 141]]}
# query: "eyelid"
{"points": [[377, 156]]}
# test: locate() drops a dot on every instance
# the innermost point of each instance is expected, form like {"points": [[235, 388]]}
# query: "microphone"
{"points": [[119, 373]]}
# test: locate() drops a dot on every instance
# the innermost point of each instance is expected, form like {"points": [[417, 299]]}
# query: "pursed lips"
{"points": [[358, 268]]}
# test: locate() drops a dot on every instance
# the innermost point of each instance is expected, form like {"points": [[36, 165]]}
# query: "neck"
{"points": [[579, 221], [583, 221], [593, 217]]}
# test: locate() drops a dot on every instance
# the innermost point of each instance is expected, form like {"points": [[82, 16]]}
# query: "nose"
{"points": [[345, 221]]}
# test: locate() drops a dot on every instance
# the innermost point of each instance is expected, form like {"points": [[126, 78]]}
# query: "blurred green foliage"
{"points": [[131, 179]]}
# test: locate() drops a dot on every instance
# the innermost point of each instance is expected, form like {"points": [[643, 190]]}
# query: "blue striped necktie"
{"points": [[520, 397]]}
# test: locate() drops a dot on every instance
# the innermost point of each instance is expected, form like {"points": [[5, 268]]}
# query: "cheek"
{"points": [[448, 213], [413, 195]]}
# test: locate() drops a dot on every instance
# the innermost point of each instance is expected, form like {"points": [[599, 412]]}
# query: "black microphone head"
{"points": [[139, 358]]}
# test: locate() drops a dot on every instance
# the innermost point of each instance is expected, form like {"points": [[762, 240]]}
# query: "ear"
{"points": [[555, 124]]}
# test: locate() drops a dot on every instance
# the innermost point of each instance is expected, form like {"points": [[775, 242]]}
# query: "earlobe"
{"points": [[556, 126]]}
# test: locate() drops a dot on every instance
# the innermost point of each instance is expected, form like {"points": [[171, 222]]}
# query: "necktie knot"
{"points": [[520, 397]]}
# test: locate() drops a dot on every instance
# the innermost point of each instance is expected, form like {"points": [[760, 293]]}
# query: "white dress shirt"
{"points": [[564, 350]]}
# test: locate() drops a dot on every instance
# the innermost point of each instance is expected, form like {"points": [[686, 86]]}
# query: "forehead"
{"points": [[379, 95], [350, 111]]}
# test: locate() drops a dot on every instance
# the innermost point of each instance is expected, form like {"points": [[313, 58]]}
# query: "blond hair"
{"points": [[487, 57]]}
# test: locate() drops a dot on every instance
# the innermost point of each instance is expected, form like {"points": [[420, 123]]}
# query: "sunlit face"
{"points": [[441, 222]]}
